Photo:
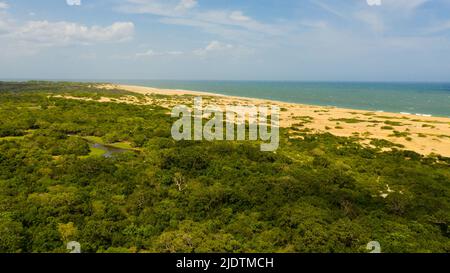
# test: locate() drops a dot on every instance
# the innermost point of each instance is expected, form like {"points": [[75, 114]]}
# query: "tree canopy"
{"points": [[320, 193]]}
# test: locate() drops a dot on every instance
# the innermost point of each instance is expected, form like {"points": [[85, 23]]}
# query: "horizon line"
{"points": [[104, 80]]}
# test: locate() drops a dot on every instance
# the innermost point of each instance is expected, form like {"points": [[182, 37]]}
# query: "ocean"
{"points": [[415, 98]]}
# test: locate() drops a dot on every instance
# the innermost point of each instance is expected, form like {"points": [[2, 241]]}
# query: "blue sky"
{"points": [[345, 40]]}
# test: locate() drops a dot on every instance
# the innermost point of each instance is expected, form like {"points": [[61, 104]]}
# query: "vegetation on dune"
{"points": [[393, 123], [317, 193]]}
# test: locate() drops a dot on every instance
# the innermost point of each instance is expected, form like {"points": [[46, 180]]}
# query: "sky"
{"points": [[304, 40]]}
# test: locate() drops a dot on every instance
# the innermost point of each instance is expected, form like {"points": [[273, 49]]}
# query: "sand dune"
{"points": [[422, 134]]}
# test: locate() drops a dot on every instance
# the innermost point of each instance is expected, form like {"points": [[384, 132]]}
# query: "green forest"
{"points": [[317, 193]]}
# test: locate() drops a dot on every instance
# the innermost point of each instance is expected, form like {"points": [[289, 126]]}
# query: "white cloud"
{"points": [[169, 8], [4, 5], [151, 53], [33, 36], [213, 46], [239, 16], [147, 53], [374, 2], [73, 2], [182, 13], [186, 5], [64, 33], [36, 34], [389, 13], [237, 19]]}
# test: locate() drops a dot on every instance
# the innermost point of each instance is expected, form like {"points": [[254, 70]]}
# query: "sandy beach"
{"points": [[423, 134]]}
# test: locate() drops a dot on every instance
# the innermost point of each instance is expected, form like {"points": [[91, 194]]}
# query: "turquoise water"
{"points": [[416, 98]]}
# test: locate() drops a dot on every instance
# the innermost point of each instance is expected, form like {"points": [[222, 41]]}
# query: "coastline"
{"points": [[423, 134], [423, 98]]}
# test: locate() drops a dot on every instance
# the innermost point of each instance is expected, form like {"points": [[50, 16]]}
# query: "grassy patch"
{"points": [[393, 123], [387, 128], [121, 145], [95, 152], [348, 120], [304, 119], [354, 120], [399, 134], [382, 143], [369, 114], [11, 138], [386, 117]]}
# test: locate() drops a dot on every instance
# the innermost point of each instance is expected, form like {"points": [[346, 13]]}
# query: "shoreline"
{"points": [[164, 91], [171, 91], [421, 133]]}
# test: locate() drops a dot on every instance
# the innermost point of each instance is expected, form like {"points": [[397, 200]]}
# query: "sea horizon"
{"points": [[419, 98]]}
